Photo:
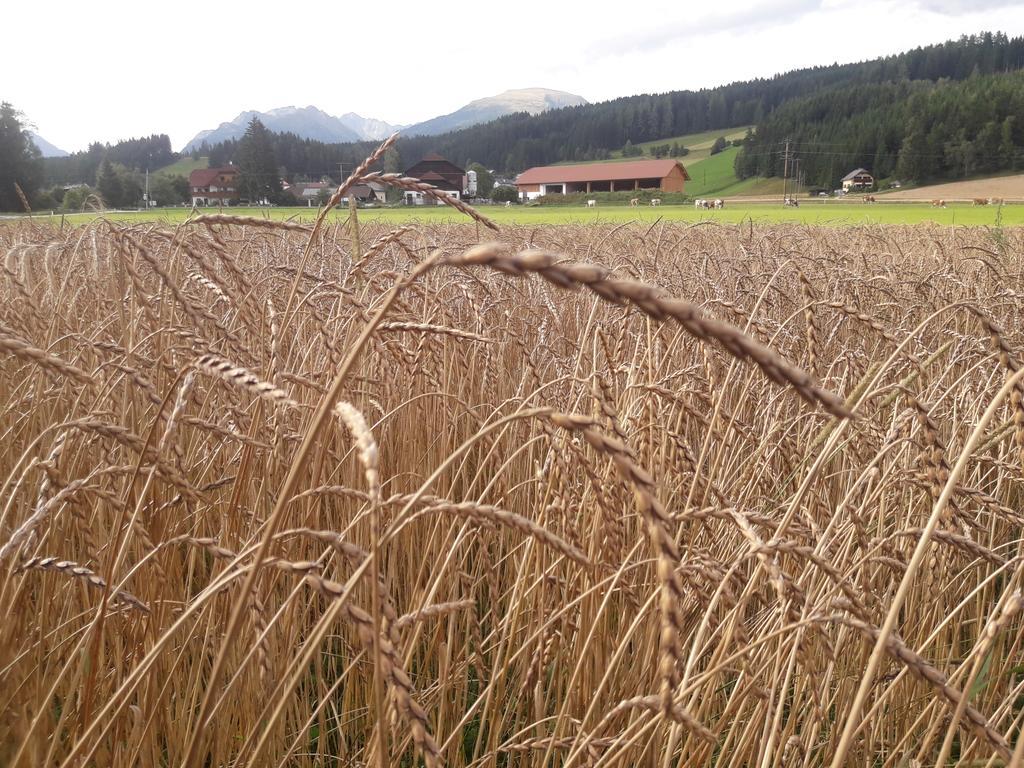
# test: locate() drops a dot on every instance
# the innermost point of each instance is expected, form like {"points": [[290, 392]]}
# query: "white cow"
{"points": [[719, 203], [656, 201], [591, 203], [698, 204]]}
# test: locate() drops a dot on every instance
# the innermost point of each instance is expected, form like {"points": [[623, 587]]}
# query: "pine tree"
{"points": [[109, 185], [258, 178], [20, 161], [1008, 153]]}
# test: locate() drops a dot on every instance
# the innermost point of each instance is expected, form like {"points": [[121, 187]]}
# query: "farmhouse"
{"points": [[214, 186], [666, 175], [858, 179], [438, 172]]}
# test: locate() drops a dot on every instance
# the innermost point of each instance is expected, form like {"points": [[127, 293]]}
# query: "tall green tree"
{"points": [[259, 178], [108, 182], [20, 160]]}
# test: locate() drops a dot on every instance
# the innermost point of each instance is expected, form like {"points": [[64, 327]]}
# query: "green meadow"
{"points": [[828, 212]]}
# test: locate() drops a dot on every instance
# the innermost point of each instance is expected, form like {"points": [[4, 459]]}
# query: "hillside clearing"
{"points": [[184, 166], [699, 145]]}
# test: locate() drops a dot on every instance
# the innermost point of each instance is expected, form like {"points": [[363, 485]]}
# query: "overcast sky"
{"points": [[112, 69]]}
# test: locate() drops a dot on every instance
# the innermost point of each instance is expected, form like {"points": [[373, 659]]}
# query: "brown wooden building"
{"points": [[439, 172], [666, 175], [214, 186]]}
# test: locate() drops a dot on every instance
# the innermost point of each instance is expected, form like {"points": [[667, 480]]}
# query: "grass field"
{"points": [[699, 145], [184, 166], [606, 494], [714, 176], [829, 213]]}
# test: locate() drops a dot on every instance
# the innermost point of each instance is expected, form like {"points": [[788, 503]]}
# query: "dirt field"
{"points": [[1006, 187]]}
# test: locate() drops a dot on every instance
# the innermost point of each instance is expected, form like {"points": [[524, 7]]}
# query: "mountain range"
{"points": [[530, 100], [46, 148], [313, 123]]}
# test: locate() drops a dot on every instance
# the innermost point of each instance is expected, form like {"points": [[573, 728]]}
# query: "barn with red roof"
{"points": [[664, 175]]}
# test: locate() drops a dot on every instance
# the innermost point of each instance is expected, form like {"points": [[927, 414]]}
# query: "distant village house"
{"points": [[857, 180], [663, 175], [438, 172], [214, 186], [308, 193], [311, 193]]}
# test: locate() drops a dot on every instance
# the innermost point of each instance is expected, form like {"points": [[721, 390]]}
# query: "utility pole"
{"points": [[785, 174]]}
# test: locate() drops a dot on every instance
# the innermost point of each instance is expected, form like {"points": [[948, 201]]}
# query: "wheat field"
{"points": [[661, 495]]}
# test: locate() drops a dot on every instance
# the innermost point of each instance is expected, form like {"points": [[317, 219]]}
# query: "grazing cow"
{"points": [[980, 201], [591, 203], [655, 201], [938, 203], [634, 202], [719, 203]]}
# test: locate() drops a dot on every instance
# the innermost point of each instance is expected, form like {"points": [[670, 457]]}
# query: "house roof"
{"points": [[204, 176], [633, 169], [855, 173], [442, 164]]}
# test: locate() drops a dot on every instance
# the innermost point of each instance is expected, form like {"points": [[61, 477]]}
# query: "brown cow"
{"points": [[938, 203], [980, 201]]}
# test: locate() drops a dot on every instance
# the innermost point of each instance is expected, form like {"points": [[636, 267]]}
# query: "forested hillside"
{"points": [[150, 152], [914, 130]]}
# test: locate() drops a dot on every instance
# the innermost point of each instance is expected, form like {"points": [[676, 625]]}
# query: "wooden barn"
{"points": [[439, 172], [664, 175]]}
